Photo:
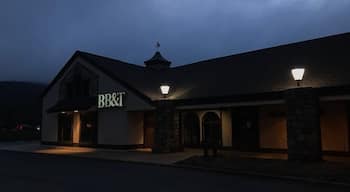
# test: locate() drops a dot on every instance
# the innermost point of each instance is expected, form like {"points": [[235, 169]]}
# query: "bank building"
{"points": [[290, 99]]}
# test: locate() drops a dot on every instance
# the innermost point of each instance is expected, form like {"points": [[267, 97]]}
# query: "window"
{"points": [[79, 83], [69, 90], [86, 87]]}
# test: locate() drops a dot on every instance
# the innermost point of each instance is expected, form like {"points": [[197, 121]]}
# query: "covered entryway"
{"points": [[65, 132], [212, 128], [78, 128], [191, 130]]}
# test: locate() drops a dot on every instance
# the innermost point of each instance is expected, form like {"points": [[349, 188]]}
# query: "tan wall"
{"points": [[273, 127], [136, 130], [49, 125], [76, 127], [226, 128], [112, 127], [334, 126], [49, 121]]}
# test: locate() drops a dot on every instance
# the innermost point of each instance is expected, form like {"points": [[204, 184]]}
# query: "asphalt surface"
{"points": [[38, 172]]}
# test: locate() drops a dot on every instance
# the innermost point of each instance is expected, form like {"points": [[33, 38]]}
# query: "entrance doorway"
{"points": [[149, 124], [191, 130], [65, 132], [212, 128], [88, 128], [245, 129]]}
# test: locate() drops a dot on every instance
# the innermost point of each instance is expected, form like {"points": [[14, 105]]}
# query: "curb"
{"points": [[199, 168]]}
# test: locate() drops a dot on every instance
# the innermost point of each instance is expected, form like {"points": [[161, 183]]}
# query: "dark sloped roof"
{"points": [[326, 61]]}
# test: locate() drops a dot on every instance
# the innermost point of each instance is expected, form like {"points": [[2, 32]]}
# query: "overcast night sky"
{"points": [[37, 37]]}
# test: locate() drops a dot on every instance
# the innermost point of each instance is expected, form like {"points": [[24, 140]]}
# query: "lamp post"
{"points": [[298, 74], [303, 113], [164, 89]]}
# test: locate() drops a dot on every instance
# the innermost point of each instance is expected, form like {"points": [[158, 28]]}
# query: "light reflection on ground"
{"points": [[142, 154], [65, 150]]}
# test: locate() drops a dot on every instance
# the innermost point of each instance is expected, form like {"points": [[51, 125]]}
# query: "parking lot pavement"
{"points": [[41, 172], [141, 155]]}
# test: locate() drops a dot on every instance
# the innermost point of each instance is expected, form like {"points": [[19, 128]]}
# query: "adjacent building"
{"points": [[247, 102]]}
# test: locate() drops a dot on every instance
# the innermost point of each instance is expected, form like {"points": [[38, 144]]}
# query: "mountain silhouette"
{"points": [[20, 102]]}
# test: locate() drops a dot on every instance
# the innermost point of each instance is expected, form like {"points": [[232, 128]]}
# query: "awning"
{"points": [[80, 103]]}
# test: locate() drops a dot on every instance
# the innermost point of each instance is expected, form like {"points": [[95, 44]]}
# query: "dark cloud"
{"points": [[37, 37]]}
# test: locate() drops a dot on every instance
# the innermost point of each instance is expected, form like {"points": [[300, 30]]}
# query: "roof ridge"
{"points": [[265, 49], [109, 58]]}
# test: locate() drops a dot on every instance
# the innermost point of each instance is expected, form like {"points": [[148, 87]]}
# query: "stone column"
{"points": [[167, 131], [303, 125]]}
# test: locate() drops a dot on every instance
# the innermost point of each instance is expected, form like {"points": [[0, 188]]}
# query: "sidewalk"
{"points": [[138, 155], [332, 170]]}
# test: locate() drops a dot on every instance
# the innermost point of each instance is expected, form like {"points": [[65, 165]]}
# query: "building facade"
{"points": [[245, 102]]}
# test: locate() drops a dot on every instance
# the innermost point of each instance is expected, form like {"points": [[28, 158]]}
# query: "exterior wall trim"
{"points": [[236, 104], [335, 98]]}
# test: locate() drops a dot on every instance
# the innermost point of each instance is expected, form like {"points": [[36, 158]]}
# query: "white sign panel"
{"points": [[108, 100]]}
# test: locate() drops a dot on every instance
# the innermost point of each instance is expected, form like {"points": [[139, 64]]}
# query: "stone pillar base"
{"points": [[167, 130], [303, 125]]}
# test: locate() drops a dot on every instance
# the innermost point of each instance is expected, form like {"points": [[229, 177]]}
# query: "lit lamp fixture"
{"points": [[298, 74], [164, 89], [76, 111]]}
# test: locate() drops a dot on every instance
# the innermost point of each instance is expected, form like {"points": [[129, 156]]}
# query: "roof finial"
{"points": [[157, 45]]}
